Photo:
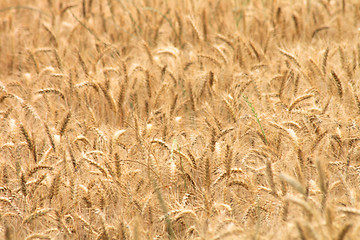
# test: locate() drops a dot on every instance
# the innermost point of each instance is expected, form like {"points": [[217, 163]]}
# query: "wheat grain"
{"points": [[299, 99], [109, 98], [95, 164], [291, 58], [211, 59], [345, 63], [195, 29], [64, 124], [324, 60], [51, 90], [38, 168], [83, 65], [338, 83], [30, 142], [36, 214], [54, 187]]}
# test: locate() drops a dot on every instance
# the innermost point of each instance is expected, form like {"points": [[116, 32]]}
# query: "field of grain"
{"points": [[183, 119]]}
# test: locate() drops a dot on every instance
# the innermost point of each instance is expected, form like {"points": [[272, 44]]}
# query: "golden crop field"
{"points": [[179, 119]]}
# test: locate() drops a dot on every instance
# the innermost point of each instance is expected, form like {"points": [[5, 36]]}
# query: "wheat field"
{"points": [[179, 119]]}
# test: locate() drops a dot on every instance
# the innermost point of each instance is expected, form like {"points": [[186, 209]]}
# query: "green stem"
{"points": [[256, 117]]}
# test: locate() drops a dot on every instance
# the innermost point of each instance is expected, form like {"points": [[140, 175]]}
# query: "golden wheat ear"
{"points": [[179, 119]]}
